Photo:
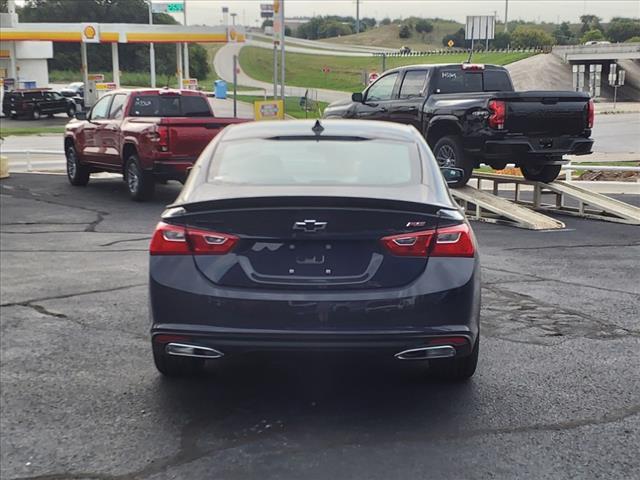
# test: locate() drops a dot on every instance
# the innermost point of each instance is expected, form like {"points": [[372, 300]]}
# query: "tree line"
{"points": [[522, 35]]}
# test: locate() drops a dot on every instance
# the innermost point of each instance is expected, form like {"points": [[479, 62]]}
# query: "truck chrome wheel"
{"points": [[72, 168], [133, 179], [446, 156]]}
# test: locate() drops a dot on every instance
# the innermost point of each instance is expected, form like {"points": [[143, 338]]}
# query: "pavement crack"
{"points": [[520, 318], [70, 295], [547, 279], [15, 250], [43, 310], [558, 247], [115, 242], [92, 226]]}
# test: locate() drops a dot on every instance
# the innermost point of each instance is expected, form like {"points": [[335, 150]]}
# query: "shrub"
{"points": [[405, 31]]}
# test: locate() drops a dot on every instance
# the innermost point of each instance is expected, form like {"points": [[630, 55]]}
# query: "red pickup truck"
{"points": [[146, 135]]}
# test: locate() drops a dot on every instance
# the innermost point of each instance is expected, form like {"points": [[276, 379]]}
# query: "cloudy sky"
{"points": [[209, 12]]}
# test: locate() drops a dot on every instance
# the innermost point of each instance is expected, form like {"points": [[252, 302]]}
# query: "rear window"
{"points": [[459, 81], [310, 162], [170, 106]]}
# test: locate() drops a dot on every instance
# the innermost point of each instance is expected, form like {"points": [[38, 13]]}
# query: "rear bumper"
{"points": [[240, 341], [520, 148], [441, 302], [173, 169]]}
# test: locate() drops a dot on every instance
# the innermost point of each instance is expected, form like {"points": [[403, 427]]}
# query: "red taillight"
{"points": [[591, 114], [456, 241], [162, 138], [498, 114], [176, 240], [409, 244]]}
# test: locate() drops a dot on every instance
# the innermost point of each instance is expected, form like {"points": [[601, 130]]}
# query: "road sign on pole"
{"points": [[480, 27], [167, 7]]}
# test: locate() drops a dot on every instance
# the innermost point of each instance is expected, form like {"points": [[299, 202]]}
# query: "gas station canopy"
{"points": [[120, 33]]}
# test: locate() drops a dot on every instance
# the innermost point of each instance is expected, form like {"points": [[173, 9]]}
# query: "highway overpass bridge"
{"points": [[598, 53]]}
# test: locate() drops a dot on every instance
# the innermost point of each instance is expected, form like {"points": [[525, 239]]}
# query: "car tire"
{"points": [[77, 173], [35, 114], [71, 111], [173, 366], [456, 369], [541, 173], [140, 184], [449, 153]]}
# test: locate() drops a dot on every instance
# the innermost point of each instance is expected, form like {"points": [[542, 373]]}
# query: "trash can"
{"points": [[220, 89]]}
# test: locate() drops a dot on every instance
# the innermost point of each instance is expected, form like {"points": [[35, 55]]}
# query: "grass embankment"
{"points": [[304, 70], [291, 106], [5, 132], [387, 36]]}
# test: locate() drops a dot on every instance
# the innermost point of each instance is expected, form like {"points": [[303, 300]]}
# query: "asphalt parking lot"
{"points": [[557, 393]]}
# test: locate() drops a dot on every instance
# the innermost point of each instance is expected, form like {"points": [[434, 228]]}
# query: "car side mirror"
{"points": [[81, 115], [452, 175], [357, 97]]}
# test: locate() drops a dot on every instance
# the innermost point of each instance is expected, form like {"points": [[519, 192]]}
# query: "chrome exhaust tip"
{"points": [[196, 351], [427, 353]]}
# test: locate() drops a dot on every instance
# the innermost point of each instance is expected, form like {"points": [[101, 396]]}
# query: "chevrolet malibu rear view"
{"points": [[338, 236]]}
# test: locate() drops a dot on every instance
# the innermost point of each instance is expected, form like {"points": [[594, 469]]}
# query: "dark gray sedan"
{"points": [[303, 236]]}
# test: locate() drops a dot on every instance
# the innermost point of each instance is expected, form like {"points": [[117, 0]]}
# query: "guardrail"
{"points": [[29, 154]]}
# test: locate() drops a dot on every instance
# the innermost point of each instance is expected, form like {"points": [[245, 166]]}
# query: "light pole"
{"points": [[233, 19], [152, 53], [506, 16], [186, 45]]}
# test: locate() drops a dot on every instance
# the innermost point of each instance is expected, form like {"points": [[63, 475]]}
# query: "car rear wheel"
{"points": [[449, 153], [456, 369], [140, 184], [71, 111], [35, 115], [77, 174], [541, 173], [174, 366]]}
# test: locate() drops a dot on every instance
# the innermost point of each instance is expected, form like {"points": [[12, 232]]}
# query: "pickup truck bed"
{"points": [[146, 135], [470, 115]]}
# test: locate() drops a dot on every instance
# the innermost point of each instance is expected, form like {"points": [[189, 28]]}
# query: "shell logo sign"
{"points": [[233, 35], [90, 33]]}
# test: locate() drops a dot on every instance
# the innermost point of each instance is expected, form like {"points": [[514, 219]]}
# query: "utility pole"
{"points": [[357, 16], [186, 45], [282, 79], [506, 16], [152, 52]]}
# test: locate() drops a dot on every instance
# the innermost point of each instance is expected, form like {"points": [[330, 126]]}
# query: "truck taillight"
{"points": [[162, 138], [498, 110], [177, 240], [456, 241], [591, 113]]}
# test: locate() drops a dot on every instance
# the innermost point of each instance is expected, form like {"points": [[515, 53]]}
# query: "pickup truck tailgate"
{"points": [[187, 137], [546, 113]]}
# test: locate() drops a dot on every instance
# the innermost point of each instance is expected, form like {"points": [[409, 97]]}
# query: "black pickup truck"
{"points": [[470, 114]]}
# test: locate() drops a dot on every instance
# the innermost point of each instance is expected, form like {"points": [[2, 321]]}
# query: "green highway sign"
{"points": [[175, 7], [167, 7]]}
